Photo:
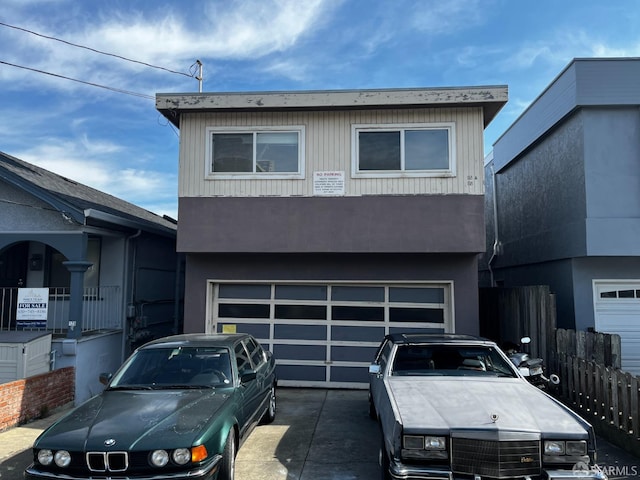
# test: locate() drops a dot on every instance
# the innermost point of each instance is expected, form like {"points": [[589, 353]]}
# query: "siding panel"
{"points": [[328, 147]]}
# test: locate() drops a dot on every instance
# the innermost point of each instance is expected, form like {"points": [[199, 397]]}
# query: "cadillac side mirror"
{"points": [[375, 369], [105, 378]]}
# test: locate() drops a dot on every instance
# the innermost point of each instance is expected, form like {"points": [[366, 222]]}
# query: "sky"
{"points": [[78, 78]]}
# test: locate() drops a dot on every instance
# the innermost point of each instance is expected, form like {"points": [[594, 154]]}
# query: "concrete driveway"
{"points": [[317, 435]]}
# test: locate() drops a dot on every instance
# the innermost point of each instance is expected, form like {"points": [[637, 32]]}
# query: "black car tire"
{"points": [[384, 462], [372, 409], [270, 414], [228, 465]]}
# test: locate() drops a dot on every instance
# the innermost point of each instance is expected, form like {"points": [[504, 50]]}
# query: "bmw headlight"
{"points": [[45, 457], [159, 458], [181, 456], [62, 458]]}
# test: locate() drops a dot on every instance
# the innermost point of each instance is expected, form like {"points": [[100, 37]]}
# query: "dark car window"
{"points": [[242, 359], [157, 367], [450, 360], [255, 352], [384, 354]]}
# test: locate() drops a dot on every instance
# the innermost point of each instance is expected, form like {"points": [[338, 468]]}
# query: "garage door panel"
{"points": [[358, 314], [243, 310], [417, 294], [416, 330], [417, 315], [300, 332], [352, 354], [617, 310], [349, 374], [300, 352], [300, 312], [357, 334], [326, 334], [305, 373]]}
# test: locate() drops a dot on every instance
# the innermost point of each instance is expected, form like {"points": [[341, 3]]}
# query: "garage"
{"points": [[617, 310], [325, 334]]}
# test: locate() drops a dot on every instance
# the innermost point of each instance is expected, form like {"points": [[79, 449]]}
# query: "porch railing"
{"points": [[101, 307]]}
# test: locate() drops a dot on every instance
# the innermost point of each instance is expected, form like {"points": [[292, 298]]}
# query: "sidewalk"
{"points": [[18, 439], [317, 435]]}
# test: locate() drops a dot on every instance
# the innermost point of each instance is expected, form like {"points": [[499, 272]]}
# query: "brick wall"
{"points": [[35, 397]]}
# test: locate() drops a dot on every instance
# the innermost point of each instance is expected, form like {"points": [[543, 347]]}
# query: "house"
{"points": [[563, 200], [109, 271], [319, 221]]}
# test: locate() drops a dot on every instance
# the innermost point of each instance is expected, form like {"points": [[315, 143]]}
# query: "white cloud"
{"points": [[448, 18]]}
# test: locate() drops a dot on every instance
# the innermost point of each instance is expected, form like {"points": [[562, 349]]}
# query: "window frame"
{"points": [[254, 130], [356, 129]]}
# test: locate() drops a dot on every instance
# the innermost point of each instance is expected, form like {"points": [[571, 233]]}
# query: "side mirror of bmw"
{"points": [[105, 378], [248, 376]]}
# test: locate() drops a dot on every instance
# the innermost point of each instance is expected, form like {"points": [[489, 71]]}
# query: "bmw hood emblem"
{"points": [[109, 442]]}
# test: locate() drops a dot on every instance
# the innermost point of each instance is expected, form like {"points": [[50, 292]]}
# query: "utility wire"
{"points": [[96, 51], [118, 90]]}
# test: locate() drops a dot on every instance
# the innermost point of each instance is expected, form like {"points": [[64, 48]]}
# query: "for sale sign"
{"points": [[33, 304]]}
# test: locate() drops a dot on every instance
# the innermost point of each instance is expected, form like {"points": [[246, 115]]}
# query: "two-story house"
{"points": [[319, 221], [563, 200]]}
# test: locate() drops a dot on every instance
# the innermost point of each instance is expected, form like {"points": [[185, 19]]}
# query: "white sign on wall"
{"points": [[328, 183], [33, 304]]}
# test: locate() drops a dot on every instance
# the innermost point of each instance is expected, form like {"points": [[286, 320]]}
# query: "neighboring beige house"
{"points": [[321, 221]]}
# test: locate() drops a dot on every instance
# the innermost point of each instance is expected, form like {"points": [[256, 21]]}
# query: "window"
{"points": [[409, 150], [242, 359], [260, 153]]}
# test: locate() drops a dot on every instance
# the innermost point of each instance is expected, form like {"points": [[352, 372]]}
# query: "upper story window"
{"points": [[404, 150], [256, 152]]}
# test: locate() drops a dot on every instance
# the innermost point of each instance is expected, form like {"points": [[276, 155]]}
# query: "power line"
{"points": [[96, 51], [117, 90]]}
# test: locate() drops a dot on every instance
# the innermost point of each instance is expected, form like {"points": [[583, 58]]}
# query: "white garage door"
{"points": [[326, 334], [617, 310]]}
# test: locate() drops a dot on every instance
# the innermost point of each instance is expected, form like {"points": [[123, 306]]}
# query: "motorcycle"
{"points": [[530, 368]]}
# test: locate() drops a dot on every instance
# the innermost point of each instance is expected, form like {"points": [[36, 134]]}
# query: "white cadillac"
{"points": [[454, 407]]}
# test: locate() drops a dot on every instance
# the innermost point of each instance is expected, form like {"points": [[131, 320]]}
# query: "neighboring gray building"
{"points": [[108, 270], [320, 221], [564, 181]]}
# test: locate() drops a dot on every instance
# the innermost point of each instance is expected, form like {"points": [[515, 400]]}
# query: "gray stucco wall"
{"points": [[90, 356], [541, 200], [612, 170], [461, 269], [369, 224]]}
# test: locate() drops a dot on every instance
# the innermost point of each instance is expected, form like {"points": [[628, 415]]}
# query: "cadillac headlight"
{"points": [[553, 447], [45, 457], [576, 447], [569, 448], [424, 447]]}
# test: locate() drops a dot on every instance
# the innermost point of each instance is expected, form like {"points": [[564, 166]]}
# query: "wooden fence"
{"points": [[508, 314], [592, 384]]}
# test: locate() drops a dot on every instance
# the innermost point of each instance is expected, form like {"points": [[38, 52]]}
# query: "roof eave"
{"points": [[490, 98]]}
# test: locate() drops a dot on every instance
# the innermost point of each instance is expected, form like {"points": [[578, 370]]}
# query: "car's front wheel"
{"points": [[383, 460], [228, 465]]}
